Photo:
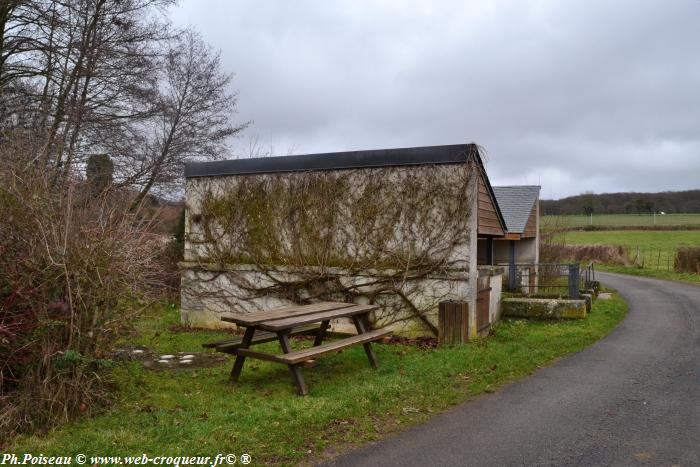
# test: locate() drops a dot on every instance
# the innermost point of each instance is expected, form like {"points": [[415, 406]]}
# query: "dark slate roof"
{"points": [[516, 203], [450, 154]]}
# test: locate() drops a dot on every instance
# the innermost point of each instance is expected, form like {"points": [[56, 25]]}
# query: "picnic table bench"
{"points": [[282, 323]]}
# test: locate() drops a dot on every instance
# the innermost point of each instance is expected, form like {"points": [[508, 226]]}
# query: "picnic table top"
{"points": [[292, 316]]}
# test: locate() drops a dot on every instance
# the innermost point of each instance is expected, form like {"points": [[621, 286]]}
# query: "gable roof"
{"points": [[448, 154], [516, 203]]}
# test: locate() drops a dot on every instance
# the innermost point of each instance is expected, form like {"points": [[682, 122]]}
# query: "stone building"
{"points": [[395, 227]]}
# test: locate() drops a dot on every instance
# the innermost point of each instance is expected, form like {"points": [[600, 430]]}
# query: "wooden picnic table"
{"points": [[281, 323]]}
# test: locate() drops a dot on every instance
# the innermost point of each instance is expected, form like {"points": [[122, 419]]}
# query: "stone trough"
{"points": [[544, 308]]}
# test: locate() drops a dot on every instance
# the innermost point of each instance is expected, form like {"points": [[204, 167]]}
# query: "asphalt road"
{"points": [[632, 398]]}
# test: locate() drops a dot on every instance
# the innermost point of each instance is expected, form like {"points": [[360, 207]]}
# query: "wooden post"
{"points": [[293, 369], [574, 281], [512, 271], [240, 359], [489, 251], [453, 322]]}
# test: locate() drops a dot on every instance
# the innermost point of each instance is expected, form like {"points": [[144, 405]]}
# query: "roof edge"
{"points": [[423, 155]]}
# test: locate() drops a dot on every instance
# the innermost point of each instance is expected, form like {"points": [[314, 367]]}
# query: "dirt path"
{"points": [[633, 398]]}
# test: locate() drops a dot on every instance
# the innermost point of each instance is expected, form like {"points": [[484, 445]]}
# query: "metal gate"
{"points": [[483, 302]]}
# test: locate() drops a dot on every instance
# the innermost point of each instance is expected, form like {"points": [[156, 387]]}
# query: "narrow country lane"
{"points": [[632, 398]]}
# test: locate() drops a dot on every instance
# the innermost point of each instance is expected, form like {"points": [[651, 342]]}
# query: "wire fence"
{"points": [[651, 258]]}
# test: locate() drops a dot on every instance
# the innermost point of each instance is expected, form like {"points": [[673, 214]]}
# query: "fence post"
{"points": [[574, 272], [453, 323]]}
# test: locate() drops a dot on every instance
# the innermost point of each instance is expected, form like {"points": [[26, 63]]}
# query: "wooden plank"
{"points": [[489, 215], [299, 356], [490, 223], [321, 332], [487, 229], [486, 204], [308, 354], [511, 236], [257, 317], [238, 364], [229, 345], [453, 323], [260, 355], [279, 324], [531, 227], [490, 231], [362, 326], [298, 378]]}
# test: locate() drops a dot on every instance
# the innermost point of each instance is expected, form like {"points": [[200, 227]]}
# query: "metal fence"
{"points": [[651, 258], [550, 279]]}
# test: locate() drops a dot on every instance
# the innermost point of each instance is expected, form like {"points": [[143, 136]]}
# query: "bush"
{"points": [[553, 249], [687, 260], [73, 266], [172, 254]]}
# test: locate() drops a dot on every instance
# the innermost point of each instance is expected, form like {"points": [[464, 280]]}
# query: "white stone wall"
{"points": [[206, 294], [209, 290]]}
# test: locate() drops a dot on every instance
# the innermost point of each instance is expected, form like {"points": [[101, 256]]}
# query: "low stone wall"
{"points": [[544, 308]]}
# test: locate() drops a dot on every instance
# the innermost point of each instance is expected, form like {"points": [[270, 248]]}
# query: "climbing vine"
{"points": [[379, 235]]}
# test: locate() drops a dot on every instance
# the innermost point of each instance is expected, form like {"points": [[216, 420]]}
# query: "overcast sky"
{"points": [[573, 95]]}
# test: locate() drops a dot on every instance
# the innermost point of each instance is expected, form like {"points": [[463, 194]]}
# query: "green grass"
{"points": [[621, 220], [653, 273], [654, 251], [196, 412], [664, 241]]}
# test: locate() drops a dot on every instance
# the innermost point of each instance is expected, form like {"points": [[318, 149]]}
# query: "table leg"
{"points": [[293, 369], [362, 326], [321, 333], [240, 359]]}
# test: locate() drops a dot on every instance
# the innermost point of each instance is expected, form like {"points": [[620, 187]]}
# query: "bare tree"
{"points": [[196, 109], [87, 66]]}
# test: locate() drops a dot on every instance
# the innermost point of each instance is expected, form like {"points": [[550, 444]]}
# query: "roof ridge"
{"points": [[419, 155]]}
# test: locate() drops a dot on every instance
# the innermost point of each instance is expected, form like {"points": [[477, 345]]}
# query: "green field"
{"points": [[197, 412], [620, 220], [666, 242], [651, 252]]}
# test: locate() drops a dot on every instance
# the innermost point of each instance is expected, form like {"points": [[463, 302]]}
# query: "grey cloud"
{"points": [[574, 95]]}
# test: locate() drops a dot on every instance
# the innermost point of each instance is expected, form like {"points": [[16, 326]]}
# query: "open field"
{"points": [[664, 241], [196, 412], [653, 251], [621, 220]]}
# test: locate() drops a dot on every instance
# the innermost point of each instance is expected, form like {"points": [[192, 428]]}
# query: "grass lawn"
{"points": [[665, 241], [657, 250], [620, 220], [196, 412]]}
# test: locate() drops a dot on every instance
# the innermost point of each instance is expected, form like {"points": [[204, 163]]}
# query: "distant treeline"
{"points": [[625, 203]]}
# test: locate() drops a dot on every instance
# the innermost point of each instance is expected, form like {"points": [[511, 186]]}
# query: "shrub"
{"points": [[553, 249], [687, 260], [74, 264]]}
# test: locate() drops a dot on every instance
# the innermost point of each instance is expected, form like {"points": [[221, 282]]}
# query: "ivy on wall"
{"points": [[308, 234]]}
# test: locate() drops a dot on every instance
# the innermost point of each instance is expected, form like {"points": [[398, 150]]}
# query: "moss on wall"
{"points": [[398, 225]]}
